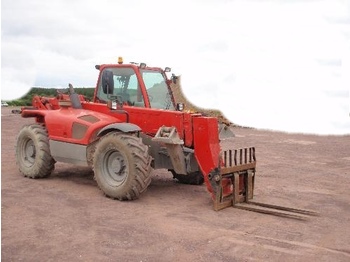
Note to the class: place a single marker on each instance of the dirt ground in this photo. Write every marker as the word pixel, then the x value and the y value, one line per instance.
pixel 67 218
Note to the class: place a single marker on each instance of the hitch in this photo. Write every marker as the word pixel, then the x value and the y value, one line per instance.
pixel 170 138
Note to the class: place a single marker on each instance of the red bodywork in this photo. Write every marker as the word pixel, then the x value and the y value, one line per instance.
pixel 197 132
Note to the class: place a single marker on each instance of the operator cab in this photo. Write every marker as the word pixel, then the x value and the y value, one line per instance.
pixel 134 85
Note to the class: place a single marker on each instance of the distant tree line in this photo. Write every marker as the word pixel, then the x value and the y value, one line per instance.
pixel 26 100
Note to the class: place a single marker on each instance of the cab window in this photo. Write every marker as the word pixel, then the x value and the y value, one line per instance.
pixel 126 87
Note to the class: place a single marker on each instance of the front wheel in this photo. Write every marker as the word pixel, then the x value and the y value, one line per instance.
pixel 33 152
pixel 122 166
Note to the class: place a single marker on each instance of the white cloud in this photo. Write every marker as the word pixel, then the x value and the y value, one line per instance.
pixel 276 79
pixel 265 64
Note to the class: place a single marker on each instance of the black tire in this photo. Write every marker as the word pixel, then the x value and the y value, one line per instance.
pixel 195 178
pixel 33 152
pixel 122 166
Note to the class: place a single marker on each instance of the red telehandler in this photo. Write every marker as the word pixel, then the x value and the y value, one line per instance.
pixel 133 125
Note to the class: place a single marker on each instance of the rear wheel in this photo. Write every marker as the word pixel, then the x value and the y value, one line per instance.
pixel 122 166
pixel 195 178
pixel 33 152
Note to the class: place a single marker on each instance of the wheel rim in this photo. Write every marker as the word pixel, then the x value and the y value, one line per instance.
pixel 115 168
pixel 29 152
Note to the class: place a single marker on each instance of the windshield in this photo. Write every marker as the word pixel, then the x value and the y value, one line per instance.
pixel 157 89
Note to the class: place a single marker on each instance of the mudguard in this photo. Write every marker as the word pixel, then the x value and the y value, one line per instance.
pixel 124 127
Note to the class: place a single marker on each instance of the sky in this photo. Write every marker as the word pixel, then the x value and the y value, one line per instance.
pixel 275 65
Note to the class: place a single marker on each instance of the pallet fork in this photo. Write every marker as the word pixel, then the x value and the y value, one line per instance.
pixel 238 169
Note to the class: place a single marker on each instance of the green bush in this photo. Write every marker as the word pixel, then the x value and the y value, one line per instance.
pixel 26 100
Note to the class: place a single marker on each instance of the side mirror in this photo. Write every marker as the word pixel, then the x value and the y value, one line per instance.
pixel 107 82
pixel 174 78
pixel 180 107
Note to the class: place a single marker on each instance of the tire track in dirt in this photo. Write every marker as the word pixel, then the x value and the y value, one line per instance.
pixel 280 245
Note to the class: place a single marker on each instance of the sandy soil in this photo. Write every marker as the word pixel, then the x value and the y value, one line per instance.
pixel 67 218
